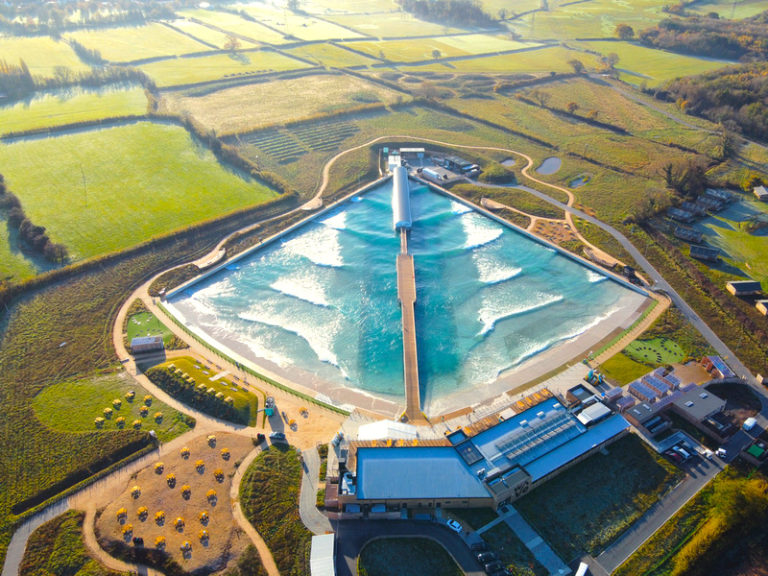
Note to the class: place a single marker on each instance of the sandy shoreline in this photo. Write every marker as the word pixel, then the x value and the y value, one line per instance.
pixel 629 309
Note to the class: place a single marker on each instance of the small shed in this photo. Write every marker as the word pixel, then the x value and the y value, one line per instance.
pixel 705 253
pixel 762 307
pixel 761 193
pixel 322 555
pixel 744 288
pixel 147 344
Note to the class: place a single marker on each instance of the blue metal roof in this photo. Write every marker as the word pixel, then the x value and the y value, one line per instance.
pixel 559 457
pixel 415 472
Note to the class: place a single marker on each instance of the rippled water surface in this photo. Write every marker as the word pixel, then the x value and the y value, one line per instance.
pixel 324 298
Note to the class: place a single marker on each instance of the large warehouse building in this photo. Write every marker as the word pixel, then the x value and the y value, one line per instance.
pixel 493 466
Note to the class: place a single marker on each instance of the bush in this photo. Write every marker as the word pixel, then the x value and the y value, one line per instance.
pixel 495 173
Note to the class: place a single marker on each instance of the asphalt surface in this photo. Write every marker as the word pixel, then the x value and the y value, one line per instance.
pixel 351 536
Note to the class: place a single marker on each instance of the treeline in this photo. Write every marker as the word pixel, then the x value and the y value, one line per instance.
pixel 459 12
pixel 736 97
pixel 15 80
pixel 32 235
pixel 744 40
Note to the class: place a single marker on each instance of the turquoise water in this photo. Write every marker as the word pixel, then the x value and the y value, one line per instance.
pixel 323 300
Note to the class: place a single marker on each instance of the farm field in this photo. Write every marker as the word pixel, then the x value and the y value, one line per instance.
pixel 329 55
pixel 391 24
pixel 484 43
pixel 176 71
pixel 199 496
pixel 14 265
pixel 732 10
pixel 62 107
pixel 580 511
pixel 304 27
pixel 200 32
pixel 41 54
pixel 246 31
pixel 414 50
pixel 639 64
pixel 73 407
pixel 406 557
pixel 291 100
pixel 137 42
pixel 142 180
pixel 536 61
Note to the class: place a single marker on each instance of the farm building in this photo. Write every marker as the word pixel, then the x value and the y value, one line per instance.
pixel 744 288
pixel 499 463
pixel 762 307
pixel 147 344
pixel 688 234
pixel 721 195
pixel 322 555
pixel 761 193
pixel 680 215
pixel 705 253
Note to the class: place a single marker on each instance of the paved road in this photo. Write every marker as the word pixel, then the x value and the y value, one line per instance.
pixel 351 536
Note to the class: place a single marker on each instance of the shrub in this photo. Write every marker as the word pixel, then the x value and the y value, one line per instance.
pixel 136 424
pixel 135 492
pixel 160 542
pixel 99 422
pixel 159 467
pixel 120 422
pixel 160 518
pixel 184 452
pixel 158 417
pixel 107 412
pixel 148 400
pixel 117 403
pixel 225 454
pixel 130 395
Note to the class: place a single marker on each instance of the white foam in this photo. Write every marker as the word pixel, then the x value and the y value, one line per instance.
pixel 491 270
pixel 317 334
pixel 479 230
pixel 306 287
pixel 320 245
pixel 595 277
pixel 459 208
pixel 495 309
pixel 337 221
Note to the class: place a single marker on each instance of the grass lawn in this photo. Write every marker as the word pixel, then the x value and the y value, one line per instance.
pixel 73 407
pixel 405 557
pixel 41 54
pixel 537 61
pixel 137 42
pixel 389 24
pixel 57 547
pixel 730 10
pixel 513 552
pixel 269 496
pixel 147 324
pixel 407 50
pixel 143 180
pixel 586 507
pixel 72 105
pixel 245 403
pixel 241 109
pixel 484 43
pixel 622 369
pixel 14 265
pixel 302 26
pixel 656 352
pixel 329 55
pixel 218 66
pixel 640 64
pixel 250 32
pixel 200 32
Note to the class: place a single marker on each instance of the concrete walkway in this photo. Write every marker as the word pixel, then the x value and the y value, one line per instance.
pixel 535 543
pixel 311 517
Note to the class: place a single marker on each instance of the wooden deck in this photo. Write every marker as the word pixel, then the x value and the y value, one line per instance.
pixel 406 293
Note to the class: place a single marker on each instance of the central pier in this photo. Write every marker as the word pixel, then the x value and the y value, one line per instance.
pixel 406 293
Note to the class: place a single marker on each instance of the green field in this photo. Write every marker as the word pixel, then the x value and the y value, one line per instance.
pixel 329 55
pixel 14 265
pixel 407 50
pixel 177 71
pixel 582 510
pixel 147 324
pixel 731 10
pixel 622 369
pixel 63 107
pixel 57 547
pixel 137 42
pixel 392 24
pixel 406 557
pixel 73 407
pixel 142 180
pixel 41 54
pixel 241 109
pixel 249 32
pixel 655 352
pixel 484 43
pixel 201 33
pixel 639 64
pixel 538 61
pixel 302 26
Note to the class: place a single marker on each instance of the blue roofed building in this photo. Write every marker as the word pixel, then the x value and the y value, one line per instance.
pixel 496 462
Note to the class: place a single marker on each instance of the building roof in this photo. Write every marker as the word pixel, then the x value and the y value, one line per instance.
pixel 704 252
pixel 746 286
pixel 144 340
pixel 387 429
pixel 761 192
pixel 416 472
pixel 561 456
pixel 699 403
pixel 721 366
pixel 321 558
pixel 593 414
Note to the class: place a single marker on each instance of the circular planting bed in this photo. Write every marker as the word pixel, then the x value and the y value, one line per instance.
pixel 655 351
pixel 189 517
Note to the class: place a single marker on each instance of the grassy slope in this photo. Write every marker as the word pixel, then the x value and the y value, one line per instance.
pixel 49 110
pixel 41 54
pixel 57 548
pixel 405 557
pixel 72 407
pixel 142 180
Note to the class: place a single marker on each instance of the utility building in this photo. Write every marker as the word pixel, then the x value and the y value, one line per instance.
pixel 401 199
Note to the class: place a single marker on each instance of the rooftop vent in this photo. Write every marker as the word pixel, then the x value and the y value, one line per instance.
pixel 689 404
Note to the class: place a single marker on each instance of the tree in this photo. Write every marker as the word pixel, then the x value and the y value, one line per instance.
pixel 571 107
pixel 436 54
pixel 293 5
pixel 541 97
pixel 611 60
pixel 577 65
pixel 624 32
pixel 232 44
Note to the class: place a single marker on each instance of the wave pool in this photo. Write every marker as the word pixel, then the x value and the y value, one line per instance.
pixel 320 304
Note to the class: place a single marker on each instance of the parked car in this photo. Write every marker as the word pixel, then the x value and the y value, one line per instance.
pixel 494 566
pixel 455 526
pixel 486 557
pixel 674 456
pixel 277 437
pixel 721 452
pixel 683 452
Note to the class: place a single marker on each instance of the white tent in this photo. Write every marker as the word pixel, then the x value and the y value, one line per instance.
pixel 384 429
pixel 321 558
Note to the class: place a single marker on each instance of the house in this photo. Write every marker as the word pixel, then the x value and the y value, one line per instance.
pixel 680 215
pixel 744 288
pixel 716 366
pixel 761 193
pixel 705 253
pixel 762 307
pixel 142 344
pixel 688 234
